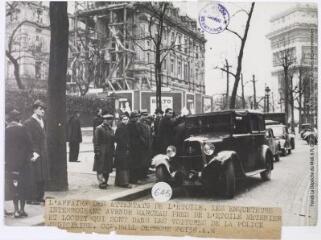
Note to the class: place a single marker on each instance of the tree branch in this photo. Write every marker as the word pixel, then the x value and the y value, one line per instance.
pixel 234 33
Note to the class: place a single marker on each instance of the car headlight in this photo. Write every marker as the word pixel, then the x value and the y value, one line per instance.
pixel 171 151
pixel 209 148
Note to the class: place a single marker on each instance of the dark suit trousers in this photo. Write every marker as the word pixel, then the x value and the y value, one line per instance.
pixel 73 151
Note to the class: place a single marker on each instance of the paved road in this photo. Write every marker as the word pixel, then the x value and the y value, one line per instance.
pixel 288 189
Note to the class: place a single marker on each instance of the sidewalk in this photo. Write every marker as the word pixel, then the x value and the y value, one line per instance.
pixel 82 184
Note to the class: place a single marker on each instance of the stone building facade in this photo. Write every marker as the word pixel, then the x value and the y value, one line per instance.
pixel 120 30
pixel 28 34
pixel 294 37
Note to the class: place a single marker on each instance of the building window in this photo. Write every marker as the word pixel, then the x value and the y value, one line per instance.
pixel 179 44
pixel 172 66
pixel 164 64
pixel 185 72
pixel 179 68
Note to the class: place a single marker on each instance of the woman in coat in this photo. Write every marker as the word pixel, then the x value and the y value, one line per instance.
pixel 104 150
pixel 122 157
pixel 18 157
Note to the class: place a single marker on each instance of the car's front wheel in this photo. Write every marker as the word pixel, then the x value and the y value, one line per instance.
pixel 266 174
pixel 227 183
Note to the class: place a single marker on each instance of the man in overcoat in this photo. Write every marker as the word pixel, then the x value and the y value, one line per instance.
pixel 166 130
pixel 136 147
pixel 104 150
pixel 39 169
pixel 74 136
pixel 122 157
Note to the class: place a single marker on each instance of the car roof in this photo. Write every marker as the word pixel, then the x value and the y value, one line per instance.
pixel 242 112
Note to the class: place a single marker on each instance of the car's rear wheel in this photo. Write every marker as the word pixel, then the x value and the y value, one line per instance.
pixel 289 151
pixel 266 175
pixel 227 182
pixel 283 152
pixel 162 174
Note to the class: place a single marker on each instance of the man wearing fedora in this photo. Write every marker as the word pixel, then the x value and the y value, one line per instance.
pixel 39 169
pixel 104 150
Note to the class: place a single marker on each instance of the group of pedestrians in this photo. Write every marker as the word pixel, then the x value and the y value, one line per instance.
pixel 130 148
pixel 26 163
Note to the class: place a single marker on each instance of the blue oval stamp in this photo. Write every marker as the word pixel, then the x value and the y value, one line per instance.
pixel 214 18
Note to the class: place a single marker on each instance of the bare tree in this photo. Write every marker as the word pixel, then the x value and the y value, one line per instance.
pixel 157 25
pixel 243 38
pixel 285 60
pixel 56 114
pixel 11 52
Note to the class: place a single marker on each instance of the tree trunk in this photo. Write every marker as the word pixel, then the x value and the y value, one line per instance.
pixel 240 57
pixel 158 70
pixel 292 104
pixel 56 114
pixel 16 68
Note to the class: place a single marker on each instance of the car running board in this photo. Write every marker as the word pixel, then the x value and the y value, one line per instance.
pixel 249 174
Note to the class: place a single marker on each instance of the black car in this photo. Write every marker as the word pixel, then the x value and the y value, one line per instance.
pixel 219 149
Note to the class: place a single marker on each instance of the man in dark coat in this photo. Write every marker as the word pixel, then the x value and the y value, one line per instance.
pixel 18 154
pixel 136 147
pixel 39 169
pixel 155 128
pixel 74 137
pixel 105 150
pixel 122 157
pixel 166 130
pixel 144 125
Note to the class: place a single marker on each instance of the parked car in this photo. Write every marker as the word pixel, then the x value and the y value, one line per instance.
pixel 311 136
pixel 304 128
pixel 281 134
pixel 273 143
pixel 219 149
pixel 276 118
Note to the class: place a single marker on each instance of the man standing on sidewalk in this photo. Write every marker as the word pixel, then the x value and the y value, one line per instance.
pixel 39 168
pixel 74 136
pixel 104 151
pixel 122 157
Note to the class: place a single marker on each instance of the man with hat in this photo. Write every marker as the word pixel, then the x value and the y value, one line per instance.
pixel 39 168
pixel 136 147
pixel 104 150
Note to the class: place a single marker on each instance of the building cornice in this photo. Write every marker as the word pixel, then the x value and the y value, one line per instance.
pixel 295 26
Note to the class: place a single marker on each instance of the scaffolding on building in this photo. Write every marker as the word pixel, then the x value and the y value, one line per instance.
pixel 104 26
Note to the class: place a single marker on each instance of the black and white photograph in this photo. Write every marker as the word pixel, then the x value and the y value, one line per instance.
pixel 216 102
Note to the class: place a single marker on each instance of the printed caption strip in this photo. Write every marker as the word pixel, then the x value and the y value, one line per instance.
pixel 171 219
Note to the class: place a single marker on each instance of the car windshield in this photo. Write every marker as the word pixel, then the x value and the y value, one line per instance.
pixel 278 131
pixel 203 124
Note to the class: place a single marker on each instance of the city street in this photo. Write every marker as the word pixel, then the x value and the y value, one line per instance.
pixel 288 189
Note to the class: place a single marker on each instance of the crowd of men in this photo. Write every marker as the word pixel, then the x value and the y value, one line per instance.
pixel 128 148
pixel 137 138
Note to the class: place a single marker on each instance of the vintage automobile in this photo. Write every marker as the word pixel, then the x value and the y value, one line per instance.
pixel 311 136
pixel 276 118
pixel 281 134
pixel 273 143
pixel 219 149
pixel 304 128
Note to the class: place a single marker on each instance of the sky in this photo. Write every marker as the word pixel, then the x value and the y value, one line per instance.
pixel 257 54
